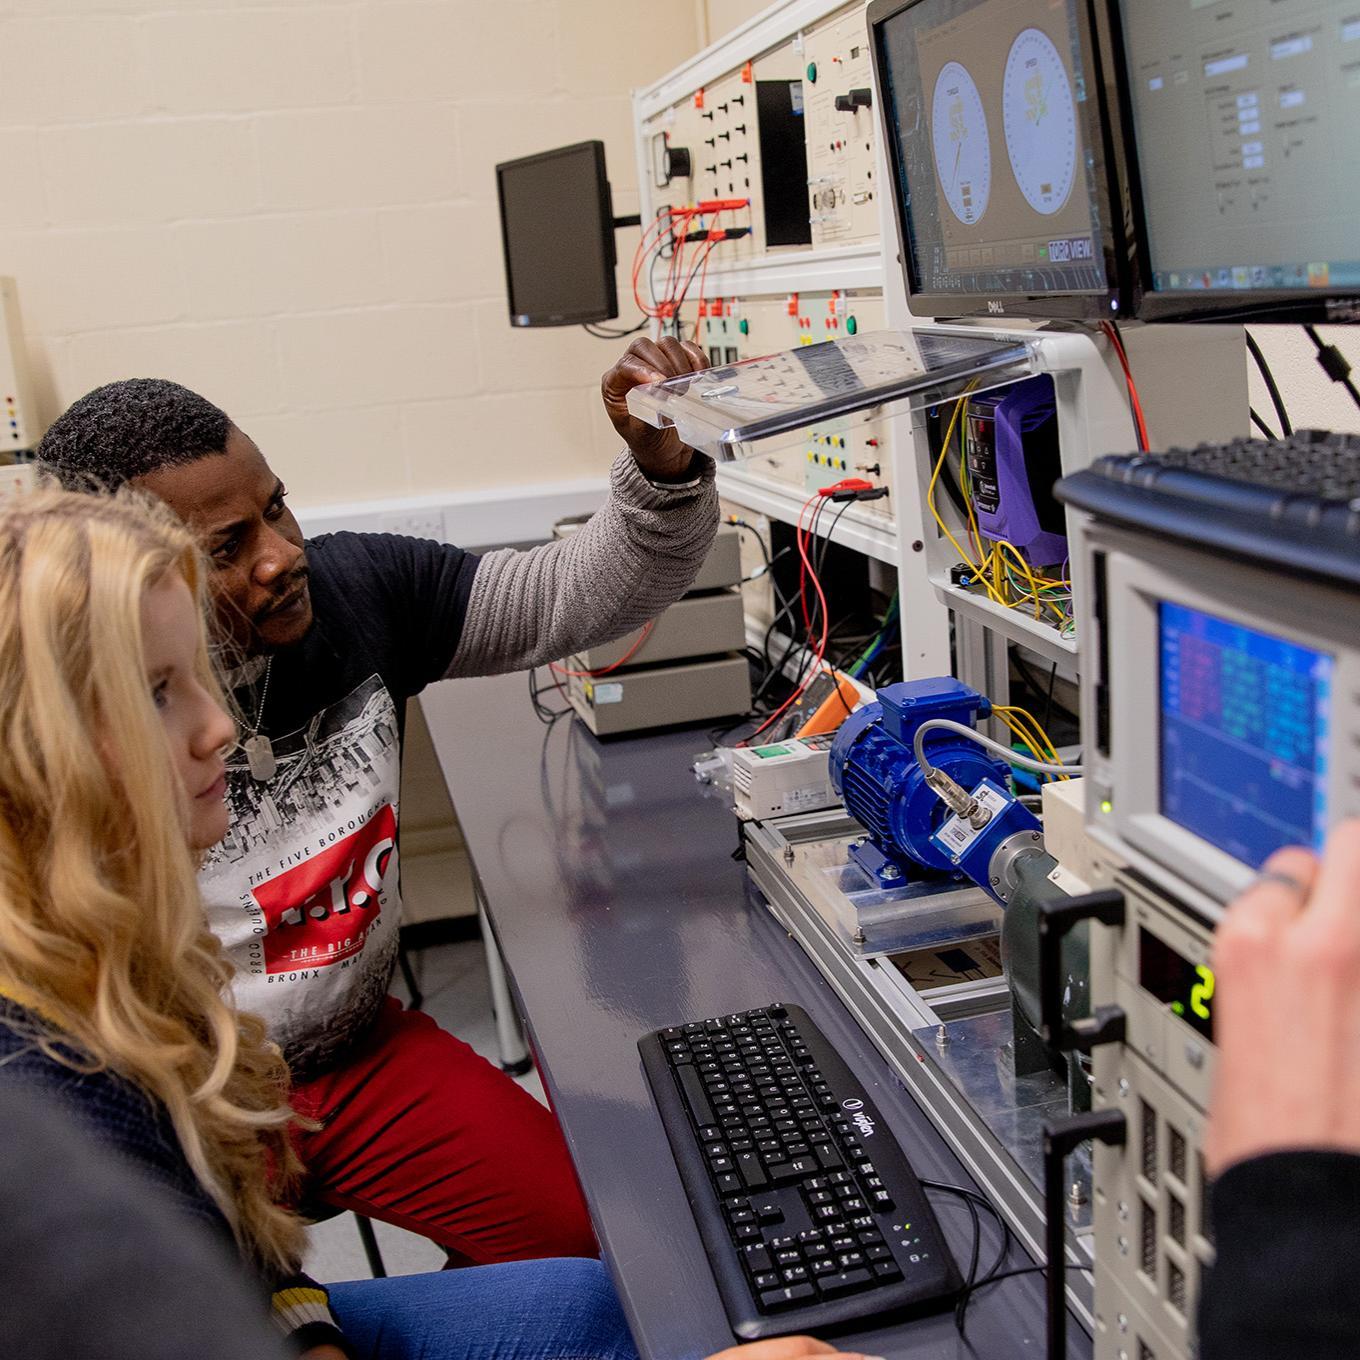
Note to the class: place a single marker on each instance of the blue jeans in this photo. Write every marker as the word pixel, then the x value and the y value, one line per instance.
pixel 562 1309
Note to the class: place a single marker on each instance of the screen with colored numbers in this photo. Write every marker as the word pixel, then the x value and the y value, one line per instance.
pixel 1244 734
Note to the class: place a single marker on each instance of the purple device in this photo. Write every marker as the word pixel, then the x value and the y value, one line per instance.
pixel 1013 462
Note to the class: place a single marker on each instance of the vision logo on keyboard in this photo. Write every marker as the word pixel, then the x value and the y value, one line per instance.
pixel 855 1108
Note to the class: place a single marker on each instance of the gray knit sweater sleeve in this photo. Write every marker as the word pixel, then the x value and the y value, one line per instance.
pixel 637 555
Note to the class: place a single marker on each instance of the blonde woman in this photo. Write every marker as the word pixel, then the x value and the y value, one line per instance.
pixel 111 986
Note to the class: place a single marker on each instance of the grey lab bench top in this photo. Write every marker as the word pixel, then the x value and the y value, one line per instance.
pixel 608 875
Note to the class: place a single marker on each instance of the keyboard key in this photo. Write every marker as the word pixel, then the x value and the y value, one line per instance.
pixel 728 1184
pixel 793 1274
pixel 876 1254
pixel 768 1211
pixel 886 1270
pixel 718 1164
pixel 757 1259
pixel 695 1096
pixel 828 1158
pixel 752 1173
pixel 845 1282
pixel 790 1256
pixel 823 1266
pixel 849 1259
pixel 768 1279
pixel 775 1300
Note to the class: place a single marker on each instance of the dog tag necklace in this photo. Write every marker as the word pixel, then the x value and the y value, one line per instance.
pixel 258 748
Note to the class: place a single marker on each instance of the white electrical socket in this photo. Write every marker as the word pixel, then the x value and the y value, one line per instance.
pixel 416 523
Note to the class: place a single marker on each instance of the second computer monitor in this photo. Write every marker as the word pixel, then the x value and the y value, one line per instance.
pixel 1244 117
pixel 998 137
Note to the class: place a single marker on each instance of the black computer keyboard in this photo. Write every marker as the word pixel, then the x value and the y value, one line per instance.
pixel 810 1213
pixel 1320 464
pixel 1293 503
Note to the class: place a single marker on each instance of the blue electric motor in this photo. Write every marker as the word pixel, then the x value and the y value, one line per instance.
pixel 874 770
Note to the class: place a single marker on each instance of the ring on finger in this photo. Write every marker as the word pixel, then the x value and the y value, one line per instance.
pixel 1283 879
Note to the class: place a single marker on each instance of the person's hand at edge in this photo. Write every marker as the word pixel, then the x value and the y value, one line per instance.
pixel 1287 1008
pixel 787 1348
pixel 659 453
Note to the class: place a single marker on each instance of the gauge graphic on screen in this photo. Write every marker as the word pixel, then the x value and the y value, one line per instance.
pixel 1041 121
pixel 963 147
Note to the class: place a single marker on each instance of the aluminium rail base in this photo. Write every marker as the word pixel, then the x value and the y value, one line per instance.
pixel 949 1045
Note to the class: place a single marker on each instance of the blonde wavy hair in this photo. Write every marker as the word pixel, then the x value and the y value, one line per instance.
pixel 102 929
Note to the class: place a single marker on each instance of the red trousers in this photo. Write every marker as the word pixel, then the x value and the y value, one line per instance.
pixel 418 1131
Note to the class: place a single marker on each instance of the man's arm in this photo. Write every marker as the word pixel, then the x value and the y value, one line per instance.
pixel 636 556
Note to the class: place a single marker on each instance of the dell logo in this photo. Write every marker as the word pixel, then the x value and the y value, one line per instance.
pixel 996 309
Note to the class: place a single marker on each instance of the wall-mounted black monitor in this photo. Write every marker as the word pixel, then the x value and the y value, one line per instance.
pixel 1242 119
pixel 557 229
pixel 1000 138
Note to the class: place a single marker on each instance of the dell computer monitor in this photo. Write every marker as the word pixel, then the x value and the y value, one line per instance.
pixel 557 229
pixel 1242 120
pixel 999 139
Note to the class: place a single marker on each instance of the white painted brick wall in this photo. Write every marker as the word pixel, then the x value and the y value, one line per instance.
pixel 289 205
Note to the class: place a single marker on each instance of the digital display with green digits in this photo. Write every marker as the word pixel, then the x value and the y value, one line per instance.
pixel 1188 988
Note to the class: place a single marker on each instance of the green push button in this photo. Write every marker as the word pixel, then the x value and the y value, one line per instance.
pixel 851 325
pixel 812 72
pixel 769 752
pixel 744 326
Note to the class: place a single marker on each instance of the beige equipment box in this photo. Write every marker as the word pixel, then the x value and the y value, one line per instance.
pixel 686 667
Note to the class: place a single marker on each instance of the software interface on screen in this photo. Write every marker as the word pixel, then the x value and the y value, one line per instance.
pixel 1244 725
pixel 995 174
pixel 1246 115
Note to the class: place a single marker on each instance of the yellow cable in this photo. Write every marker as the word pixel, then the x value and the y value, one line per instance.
pixel 1035 728
pixel 1003 546
pixel 930 497
pixel 1034 582
pixel 1029 741
pixel 1031 725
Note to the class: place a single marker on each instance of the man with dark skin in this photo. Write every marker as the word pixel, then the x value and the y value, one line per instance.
pixel 322 644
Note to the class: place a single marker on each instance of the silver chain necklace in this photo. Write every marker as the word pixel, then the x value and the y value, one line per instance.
pixel 258 748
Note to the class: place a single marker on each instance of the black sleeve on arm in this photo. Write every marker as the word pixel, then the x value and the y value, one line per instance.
pixel 417 591
pixel 1286 1283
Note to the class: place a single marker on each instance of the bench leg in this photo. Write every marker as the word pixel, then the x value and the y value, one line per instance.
pixel 515 1057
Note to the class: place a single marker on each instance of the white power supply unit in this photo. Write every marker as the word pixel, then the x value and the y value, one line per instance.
pixel 782 778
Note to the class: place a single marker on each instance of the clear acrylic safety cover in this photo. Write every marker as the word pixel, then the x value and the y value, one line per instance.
pixel 726 411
